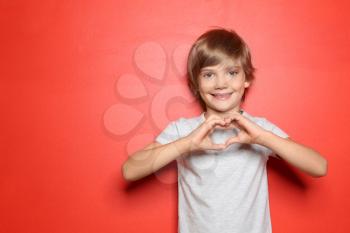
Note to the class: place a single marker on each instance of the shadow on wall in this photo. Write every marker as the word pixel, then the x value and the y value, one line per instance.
pixel 289 174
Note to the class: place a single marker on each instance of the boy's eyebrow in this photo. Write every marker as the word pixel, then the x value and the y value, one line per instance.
pixel 227 68
pixel 234 67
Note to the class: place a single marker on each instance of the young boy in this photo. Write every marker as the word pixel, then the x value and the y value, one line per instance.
pixel 222 153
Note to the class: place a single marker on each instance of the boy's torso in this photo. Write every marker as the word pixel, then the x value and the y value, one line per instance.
pixel 223 191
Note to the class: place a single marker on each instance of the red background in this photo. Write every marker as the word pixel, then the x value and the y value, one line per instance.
pixel 68 122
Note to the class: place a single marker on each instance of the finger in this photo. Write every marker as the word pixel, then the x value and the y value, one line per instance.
pixel 238 121
pixel 211 131
pixel 216 122
pixel 227 120
pixel 234 117
pixel 226 125
pixel 241 120
pixel 208 127
pixel 229 125
pixel 232 141
pixel 217 146
pixel 237 126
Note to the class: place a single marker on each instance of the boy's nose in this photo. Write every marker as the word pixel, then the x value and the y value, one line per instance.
pixel 221 82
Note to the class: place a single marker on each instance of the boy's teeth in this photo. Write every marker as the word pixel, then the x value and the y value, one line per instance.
pixel 222 96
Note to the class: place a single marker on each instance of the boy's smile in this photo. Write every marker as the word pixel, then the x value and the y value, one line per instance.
pixel 222 96
pixel 221 87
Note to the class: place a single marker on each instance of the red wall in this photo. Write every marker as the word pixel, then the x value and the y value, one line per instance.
pixel 85 83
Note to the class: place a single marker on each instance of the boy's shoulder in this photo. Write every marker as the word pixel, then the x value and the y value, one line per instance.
pixel 267 125
pixel 189 121
pixel 256 119
pixel 260 120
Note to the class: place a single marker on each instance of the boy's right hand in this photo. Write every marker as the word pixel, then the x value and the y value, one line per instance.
pixel 199 138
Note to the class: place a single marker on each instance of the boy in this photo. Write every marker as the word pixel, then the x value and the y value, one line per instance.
pixel 222 153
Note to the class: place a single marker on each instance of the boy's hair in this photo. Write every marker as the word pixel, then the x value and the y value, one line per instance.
pixel 212 48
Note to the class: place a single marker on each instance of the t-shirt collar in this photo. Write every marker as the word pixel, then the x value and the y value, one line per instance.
pixel 244 113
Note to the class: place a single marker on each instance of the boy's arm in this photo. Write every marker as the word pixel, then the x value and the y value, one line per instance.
pixel 156 155
pixel 300 156
pixel 152 158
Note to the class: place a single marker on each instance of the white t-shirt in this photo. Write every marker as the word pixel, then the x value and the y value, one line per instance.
pixel 222 191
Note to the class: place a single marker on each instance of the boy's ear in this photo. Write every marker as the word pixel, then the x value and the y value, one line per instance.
pixel 246 84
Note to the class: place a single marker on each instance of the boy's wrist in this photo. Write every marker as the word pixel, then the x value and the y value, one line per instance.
pixel 264 138
pixel 182 145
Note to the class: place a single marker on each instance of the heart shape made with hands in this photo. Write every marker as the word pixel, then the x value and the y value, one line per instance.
pixel 247 131
pixel 204 138
pixel 229 124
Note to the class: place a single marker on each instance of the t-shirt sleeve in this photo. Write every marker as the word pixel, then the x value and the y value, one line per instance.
pixel 279 132
pixel 169 134
pixel 275 130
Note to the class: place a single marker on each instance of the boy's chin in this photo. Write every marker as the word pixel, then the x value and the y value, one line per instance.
pixel 223 109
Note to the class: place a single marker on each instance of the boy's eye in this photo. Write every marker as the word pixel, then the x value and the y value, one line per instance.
pixel 234 72
pixel 207 75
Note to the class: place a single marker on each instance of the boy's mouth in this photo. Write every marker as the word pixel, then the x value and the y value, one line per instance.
pixel 221 96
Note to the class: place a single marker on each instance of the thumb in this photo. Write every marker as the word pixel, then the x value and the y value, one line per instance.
pixel 232 141
pixel 217 146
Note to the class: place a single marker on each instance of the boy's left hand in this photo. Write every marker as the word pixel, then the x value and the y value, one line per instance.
pixel 249 132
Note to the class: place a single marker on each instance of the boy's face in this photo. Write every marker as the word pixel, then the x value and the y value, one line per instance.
pixel 222 86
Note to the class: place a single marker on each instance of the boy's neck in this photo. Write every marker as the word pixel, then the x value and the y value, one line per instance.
pixel 210 112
